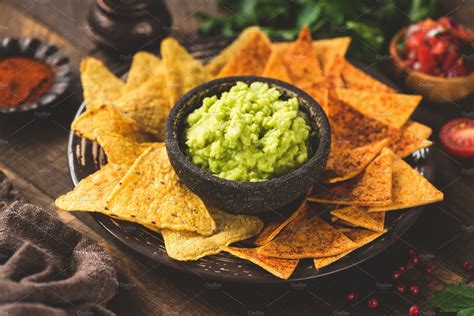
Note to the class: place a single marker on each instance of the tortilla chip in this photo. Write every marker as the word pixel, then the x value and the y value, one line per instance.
pixel 307 236
pixel 275 67
pixel 393 109
pixel 250 58
pixel 106 118
pixel 354 78
pixel 148 105
pixel 182 71
pixel 230 228
pixel 360 217
pixel 350 128
pixel 328 49
pixel 271 229
pixel 372 187
pixel 151 194
pixel 120 150
pixel 419 130
pixel 409 188
pixel 99 84
pixel 282 268
pixel 346 163
pixel 218 62
pixel 145 65
pixel 359 236
pixel 91 192
pixel 301 60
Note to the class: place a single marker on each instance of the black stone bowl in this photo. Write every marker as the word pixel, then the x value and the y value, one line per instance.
pixel 247 197
pixel 48 54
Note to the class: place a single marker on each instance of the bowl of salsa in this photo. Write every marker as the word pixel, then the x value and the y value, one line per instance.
pixel 248 144
pixel 435 58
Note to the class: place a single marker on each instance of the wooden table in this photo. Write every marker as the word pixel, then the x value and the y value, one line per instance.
pixel 33 153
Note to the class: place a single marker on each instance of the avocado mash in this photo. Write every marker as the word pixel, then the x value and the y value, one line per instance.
pixel 248 134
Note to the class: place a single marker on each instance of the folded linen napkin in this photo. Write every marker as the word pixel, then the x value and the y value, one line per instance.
pixel 46 267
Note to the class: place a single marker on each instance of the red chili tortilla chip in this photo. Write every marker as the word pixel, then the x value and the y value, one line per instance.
pixel 360 217
pixel 327 51
pixel 360 237
pixel 393 109
pixel 282 268
pixel 301 60
pixel 354 78
pixel 371 187
pixel 351 128
pixel 250 59
pixel 271 229
pixel 346 163
pixel 307 236
pixel 409 188
pixel 275 67
pixel 419 130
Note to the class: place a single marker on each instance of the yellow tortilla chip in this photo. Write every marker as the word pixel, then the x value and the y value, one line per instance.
pixel 360 217
pixel 275 67
pixel 419 130
pixel 230 228
pixel 218 62
pixel 307 236
pixel 106 118
pixel 328 49
pixel 148 105
pixel 351 128
pixel 346 163
pixel 301 60
pixel 271 229
pixel 359 236
pixel 144 66
pixel 182 71
pixel 120 150
pixel 409 188
pixel 151 194
pixel 393 109
pixel 99 84
pixel 371 187
pixel 250 58
pixel 354 78
pixel 91 192
pixel 282 268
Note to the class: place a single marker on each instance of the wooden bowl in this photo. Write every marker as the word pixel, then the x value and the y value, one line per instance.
pixel 433 88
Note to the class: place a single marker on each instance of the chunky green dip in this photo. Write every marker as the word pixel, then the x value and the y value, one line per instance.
pixel 248 134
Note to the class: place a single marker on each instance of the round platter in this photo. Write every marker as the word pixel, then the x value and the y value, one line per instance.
pixel 85 157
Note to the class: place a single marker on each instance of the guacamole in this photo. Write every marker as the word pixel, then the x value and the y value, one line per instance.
pixel 248 134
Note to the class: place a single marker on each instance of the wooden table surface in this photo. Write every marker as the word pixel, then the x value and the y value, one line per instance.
pixel 33 154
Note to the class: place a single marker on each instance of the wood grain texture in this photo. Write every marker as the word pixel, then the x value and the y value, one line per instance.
pixel 33 152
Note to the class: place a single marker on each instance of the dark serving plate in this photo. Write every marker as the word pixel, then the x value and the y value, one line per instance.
pixel 86 157
pixel 46 53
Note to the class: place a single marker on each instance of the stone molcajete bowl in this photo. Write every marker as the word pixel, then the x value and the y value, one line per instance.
pixel 247 197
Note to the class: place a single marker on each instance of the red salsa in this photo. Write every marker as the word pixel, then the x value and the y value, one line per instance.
pixel 23 80
pixel 439 48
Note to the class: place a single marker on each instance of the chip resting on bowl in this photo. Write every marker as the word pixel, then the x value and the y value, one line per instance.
pixel 151 194
pixel 282 268
pixel 230 228
pixel 144 66
pixel 373 186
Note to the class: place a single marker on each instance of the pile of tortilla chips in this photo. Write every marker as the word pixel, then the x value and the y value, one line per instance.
pixel 365 175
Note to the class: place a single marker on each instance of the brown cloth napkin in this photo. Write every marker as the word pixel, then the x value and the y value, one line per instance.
pixel 46 267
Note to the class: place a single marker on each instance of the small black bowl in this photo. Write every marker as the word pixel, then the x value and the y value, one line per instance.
pixel 48 54
pixel 247 197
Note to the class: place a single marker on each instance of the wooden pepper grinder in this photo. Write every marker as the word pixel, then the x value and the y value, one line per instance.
pixel 126 26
